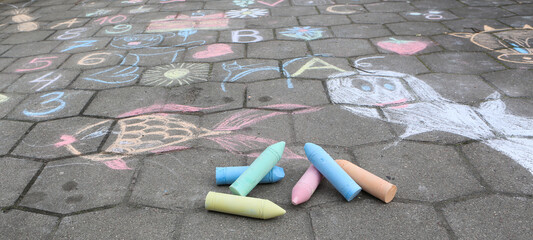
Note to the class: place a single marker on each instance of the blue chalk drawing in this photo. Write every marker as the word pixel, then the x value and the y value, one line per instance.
pixel 305 33
pixel 80 44
pixel 232 67
pixel 186 33
pixel 57 98
pixel 243 3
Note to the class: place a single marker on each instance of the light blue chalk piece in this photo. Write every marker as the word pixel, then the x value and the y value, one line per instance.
pixel 332 171
pixel 228 175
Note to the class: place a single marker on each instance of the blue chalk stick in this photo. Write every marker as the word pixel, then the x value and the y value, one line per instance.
pixel 228 175
pixel 325 164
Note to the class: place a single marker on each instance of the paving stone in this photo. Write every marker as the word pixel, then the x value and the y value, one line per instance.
pixel 469 25
pixel 95 59
pixel 127 3
pixel 398 63
pixel 52 105
pixel 389 7
pixel 417 28
pixel 486 3
pixel 75 33
pixel 114 102
pixel 22 27
pixel 406 45
pixel 8 101
pixel 458 88
pixel 99 13
pixel 273 92
pixel 465 62
pixel 428 15
pixel 307 33
pixel 246 36
pixel 215 52
pixel 40 142
pixel 4 48
pixel 90 5
pixel 212 225
pixel 31 49
pixel 324 20
pixel 374 18
pixel 493 216
pixel 67 23
pixel 7 79
pixel 148 17
pixel 208 96
pixel 108 77
pixel 54 9
pixel 15 175
pixel 453 43
pixel 437 4
pixel 11 132
pixel 181 6
pixel 342 47
pixel 413 221
pixel 245 70
pixel 271 22
pixel 326 130
pixel 436 179
pixel 315 67
pixel 50 17
pixel 293 11
pixel 360 31
pixel 498 170
pixel 122 223
pixel 83 45
pixel 194 174
pixel 517 21
pixel 4 62
pixel 78 184
pixel 17 224
pixel 261 129
pixel 343 9
pixel 43 81
pixel 284 49
pixel 294 168
pixel 26 37
pixel 514 83
pixel 311 2
pixel 138 9
pixel 481 12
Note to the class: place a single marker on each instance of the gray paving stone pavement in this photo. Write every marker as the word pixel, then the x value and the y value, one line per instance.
pixel 115 114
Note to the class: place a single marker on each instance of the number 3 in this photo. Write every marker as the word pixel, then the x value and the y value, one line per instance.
pixel 57 98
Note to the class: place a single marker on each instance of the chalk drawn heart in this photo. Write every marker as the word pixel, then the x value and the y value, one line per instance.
pixel 214 50
pixel 403 47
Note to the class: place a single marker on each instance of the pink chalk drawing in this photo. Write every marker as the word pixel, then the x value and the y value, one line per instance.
pixel 270 4
pixel 214 50
pixel 403 47
pixel 147 130
pixel 198 21
pixel 170 1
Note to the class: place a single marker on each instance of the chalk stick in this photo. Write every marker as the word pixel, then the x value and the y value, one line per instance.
pixel 332 171
pixel 258 169
pixel 306 186
pixel 370 183
pixel 242 206
pixel 228 175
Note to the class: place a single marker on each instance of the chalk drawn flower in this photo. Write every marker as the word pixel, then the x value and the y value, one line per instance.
pixel 243 3
pixel 247 13
pixel 176 74
pixel 305 33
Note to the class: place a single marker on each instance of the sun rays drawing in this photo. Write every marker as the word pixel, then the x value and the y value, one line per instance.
pixel 176 74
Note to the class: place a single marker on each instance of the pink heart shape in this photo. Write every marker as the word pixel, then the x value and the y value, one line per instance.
pixel 214 50
pixel 403 47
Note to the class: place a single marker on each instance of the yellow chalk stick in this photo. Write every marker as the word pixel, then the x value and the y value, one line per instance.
pixel 243 206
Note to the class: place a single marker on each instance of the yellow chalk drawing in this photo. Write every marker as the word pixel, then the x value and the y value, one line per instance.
pixel 512 44
pixel 25 21
pixel 176 74
pixel 3 98
pixel 310 66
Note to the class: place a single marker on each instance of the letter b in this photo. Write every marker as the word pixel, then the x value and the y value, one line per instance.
pixel 236 36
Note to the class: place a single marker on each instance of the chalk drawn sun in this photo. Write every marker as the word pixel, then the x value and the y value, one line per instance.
pixel 176 74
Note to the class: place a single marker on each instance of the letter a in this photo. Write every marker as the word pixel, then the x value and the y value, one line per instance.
pixel 68 23
pixel 310 63
pixel 236 36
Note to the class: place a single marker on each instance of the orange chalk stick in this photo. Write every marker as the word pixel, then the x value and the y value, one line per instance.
pixel 370 183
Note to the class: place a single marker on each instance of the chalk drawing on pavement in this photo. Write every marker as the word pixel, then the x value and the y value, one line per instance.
pixel 236 71
pixel 247 13
pixel 512 44
pixel 176 74
pixel 305 33
pixel 403 47
pixel 197 20
pixel 422 110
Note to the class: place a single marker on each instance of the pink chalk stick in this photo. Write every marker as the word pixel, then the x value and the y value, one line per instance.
pixel 306 186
